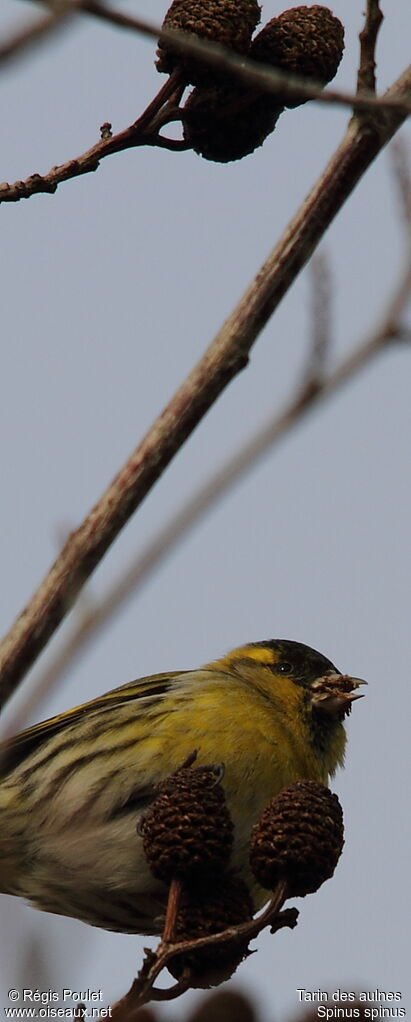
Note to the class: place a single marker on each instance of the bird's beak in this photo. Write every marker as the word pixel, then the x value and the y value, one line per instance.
pixel 333 694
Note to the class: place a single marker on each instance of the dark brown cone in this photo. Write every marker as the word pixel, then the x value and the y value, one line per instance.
pixel 187 830
pixel 224 124
pixel 305 41
pixel 205 911
pixel 228 22
pixel 299 838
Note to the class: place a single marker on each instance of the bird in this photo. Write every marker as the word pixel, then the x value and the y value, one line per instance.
pixel 74 788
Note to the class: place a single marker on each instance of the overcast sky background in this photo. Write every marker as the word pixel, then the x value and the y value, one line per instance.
pixel 111 289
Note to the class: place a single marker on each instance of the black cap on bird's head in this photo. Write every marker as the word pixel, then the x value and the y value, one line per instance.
pixel 331 693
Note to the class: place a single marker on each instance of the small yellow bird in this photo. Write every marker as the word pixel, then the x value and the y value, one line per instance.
pixel 74 787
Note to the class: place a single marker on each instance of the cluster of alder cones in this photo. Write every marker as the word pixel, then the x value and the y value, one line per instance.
pixel 188 836
pixel 224 120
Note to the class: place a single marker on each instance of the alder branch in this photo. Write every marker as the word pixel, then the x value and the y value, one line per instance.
pixel 142 132
pixel 368 41
pixel 248 71
pixel 262 76
pixel 226 356
pixel 142 989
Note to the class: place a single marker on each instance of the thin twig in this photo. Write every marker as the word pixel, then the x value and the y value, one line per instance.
pixel 170 994
pixel 374 17
pixel 144 131
pixel 143 990
pixel 226 356
pixel 171 93
pixel 220 57
pixel 173 905
pixel 263 77
pixel 140 133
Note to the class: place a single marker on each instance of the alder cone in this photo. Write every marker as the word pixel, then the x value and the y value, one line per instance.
pixel 225 124
pixel 304 41
pixel 187 831
pixel 299 838
pixel 230 23
pixel 205 911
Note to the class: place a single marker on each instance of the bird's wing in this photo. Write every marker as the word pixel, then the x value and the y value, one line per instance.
pixel 14 750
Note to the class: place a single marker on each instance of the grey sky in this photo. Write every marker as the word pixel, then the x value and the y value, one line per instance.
pixel 111 290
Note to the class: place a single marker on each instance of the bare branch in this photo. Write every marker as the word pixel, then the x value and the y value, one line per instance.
pixel 263 77
pixel 368 40
pixel 144 131
pixel 143 990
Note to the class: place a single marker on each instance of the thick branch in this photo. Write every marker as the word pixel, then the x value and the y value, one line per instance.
pixel 225 357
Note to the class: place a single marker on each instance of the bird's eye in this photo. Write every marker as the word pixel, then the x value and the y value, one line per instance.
pixel 284 667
